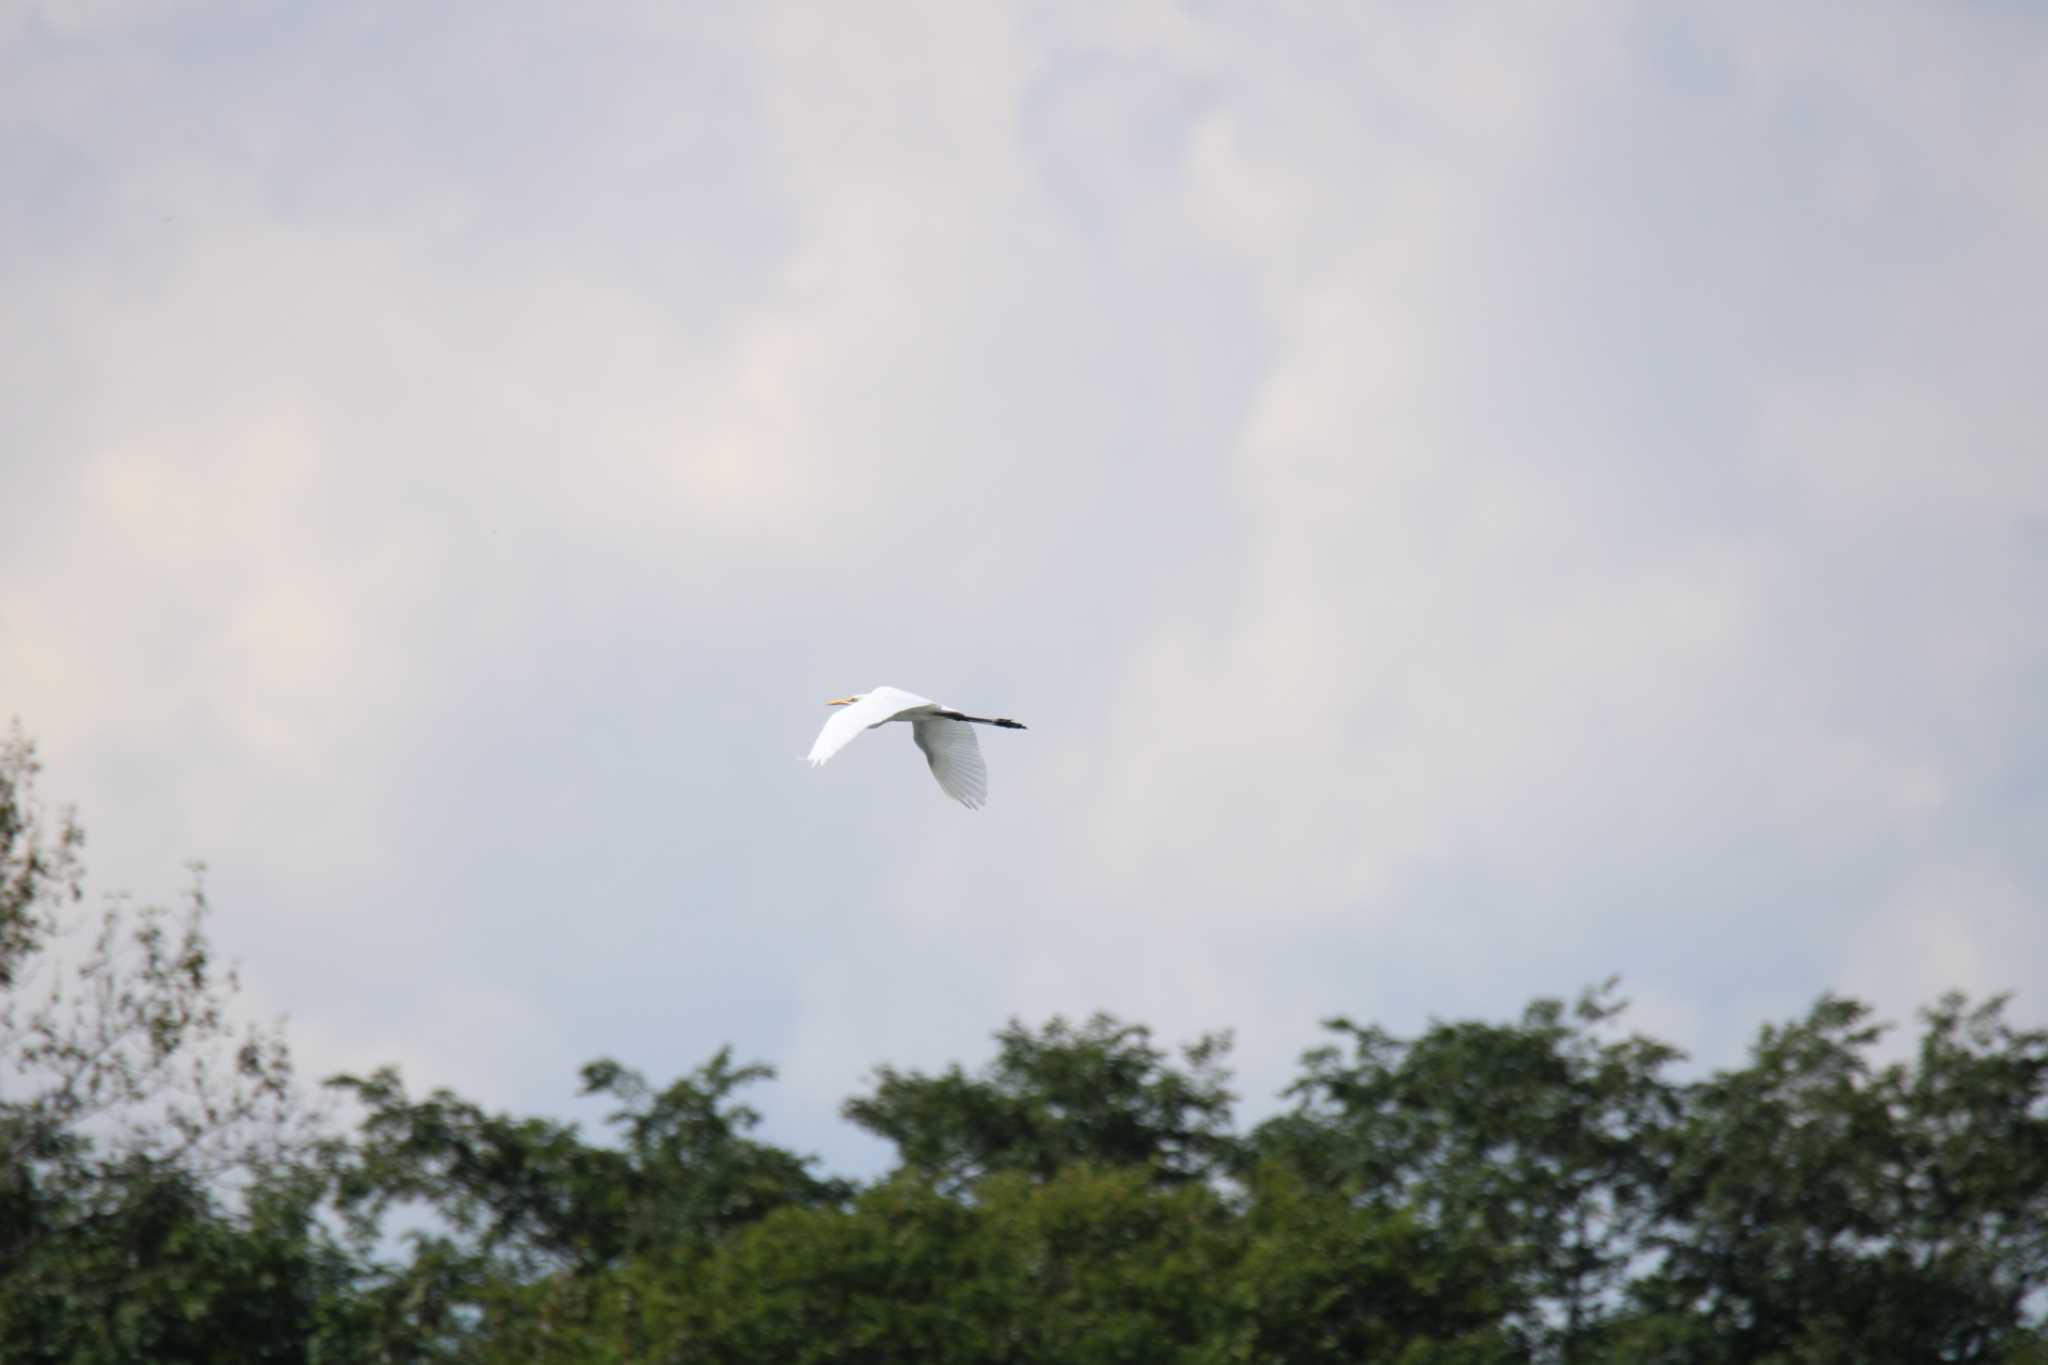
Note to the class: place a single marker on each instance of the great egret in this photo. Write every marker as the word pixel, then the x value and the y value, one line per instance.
pixel 946 736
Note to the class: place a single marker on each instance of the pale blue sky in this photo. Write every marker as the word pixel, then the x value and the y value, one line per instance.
pixel 1469 501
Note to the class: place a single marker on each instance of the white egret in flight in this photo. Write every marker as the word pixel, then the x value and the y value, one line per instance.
pixel 945 735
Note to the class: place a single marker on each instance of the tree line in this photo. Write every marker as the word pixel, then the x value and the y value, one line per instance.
pixel 1541 1189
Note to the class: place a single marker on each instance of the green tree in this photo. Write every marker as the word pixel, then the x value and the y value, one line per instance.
pixel 516 1203
pixel 151 1264
pixel 1538 1138
pixel 1100 1094
pixel 535 1193
pixel 1090 1265
pixel 1824 1208
pixel 134 1106
pixel 1327 1279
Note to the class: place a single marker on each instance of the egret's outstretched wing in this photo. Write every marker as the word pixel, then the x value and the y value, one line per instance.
pixel 955 757
pixel 881 705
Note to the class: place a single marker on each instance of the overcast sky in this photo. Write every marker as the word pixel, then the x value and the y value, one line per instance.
pixel 1468 499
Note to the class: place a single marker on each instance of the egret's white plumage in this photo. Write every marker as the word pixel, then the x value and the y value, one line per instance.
pixel 945 735
pixel 955 755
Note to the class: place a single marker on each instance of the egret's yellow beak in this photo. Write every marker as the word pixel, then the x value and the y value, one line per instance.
pixel 843 701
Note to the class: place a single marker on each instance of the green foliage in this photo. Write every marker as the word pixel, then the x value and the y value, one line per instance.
pixel 1823 1208
pixel 1090 1266
pixel 153 1268
pixel 1326 1279
pixel 525 1208
pixel 39 868
pixel 131 1098
pixel 1100 1094
pixel 533 1193
pixel 1538 1139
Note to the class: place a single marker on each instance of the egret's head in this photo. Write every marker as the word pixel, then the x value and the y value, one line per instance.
pixel 844 701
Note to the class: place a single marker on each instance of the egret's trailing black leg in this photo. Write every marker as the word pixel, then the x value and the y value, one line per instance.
pixel 1001 722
